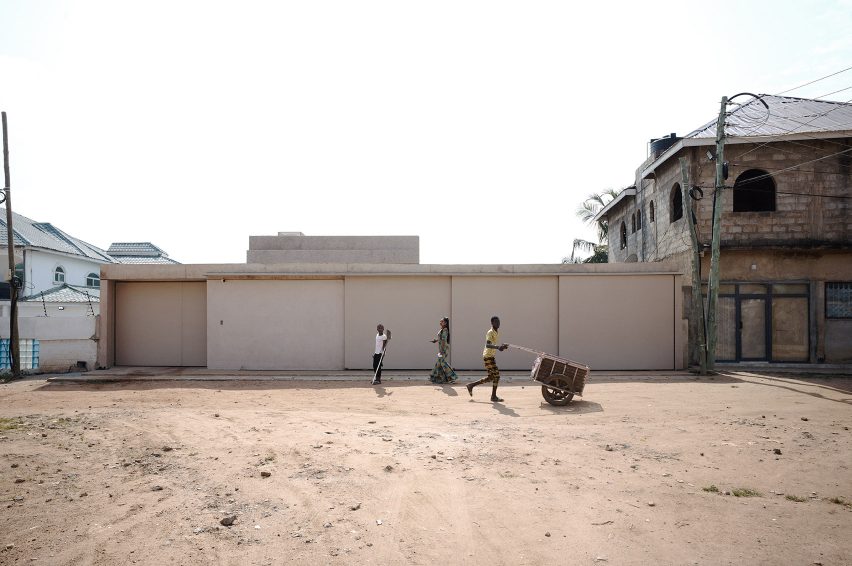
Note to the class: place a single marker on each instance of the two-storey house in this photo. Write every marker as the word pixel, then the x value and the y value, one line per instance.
pixel 786 228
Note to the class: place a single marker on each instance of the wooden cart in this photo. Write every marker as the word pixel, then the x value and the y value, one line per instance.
pixel 560 378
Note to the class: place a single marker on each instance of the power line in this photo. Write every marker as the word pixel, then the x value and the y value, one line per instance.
pixel 832 142
pixel 746 189
pixel 760 177
pixel 786 169
pixel 801 124
pixel 835 92
pixel 813 81
pixel 780 148
pixel 751 166
pixel 793 131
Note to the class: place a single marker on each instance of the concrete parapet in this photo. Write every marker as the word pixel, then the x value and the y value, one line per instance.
pixel 295 242
pixel 289 247
pixel 404 256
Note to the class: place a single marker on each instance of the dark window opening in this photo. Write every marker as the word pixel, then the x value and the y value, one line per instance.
pixel 623 235
pixel 754 191
pixel 633 223
pixel 651 212
pixel 676 208
pixel 639 219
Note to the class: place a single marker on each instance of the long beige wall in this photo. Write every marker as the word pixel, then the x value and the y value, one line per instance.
pixel 160 323
pixel 620 321
pixel 275 324
pixel 527 307
pixel 609 321
pixel 410 306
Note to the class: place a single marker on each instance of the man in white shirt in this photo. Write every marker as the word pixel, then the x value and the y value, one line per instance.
pixel 382 339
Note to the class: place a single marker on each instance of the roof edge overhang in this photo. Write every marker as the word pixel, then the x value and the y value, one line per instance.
pixel 214 272
pixel 648 172
pixel 32 248
pixel 602 213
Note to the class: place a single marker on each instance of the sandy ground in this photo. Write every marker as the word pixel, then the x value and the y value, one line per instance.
pixel 411 473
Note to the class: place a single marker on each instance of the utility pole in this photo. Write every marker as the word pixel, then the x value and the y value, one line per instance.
pixel 14 344
pixel 697 303
pixel 718 203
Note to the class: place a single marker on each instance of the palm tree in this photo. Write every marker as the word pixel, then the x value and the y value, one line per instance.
pixel 600 252
pixel 586 212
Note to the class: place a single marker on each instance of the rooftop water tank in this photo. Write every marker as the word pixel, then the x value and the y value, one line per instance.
pixel 660 145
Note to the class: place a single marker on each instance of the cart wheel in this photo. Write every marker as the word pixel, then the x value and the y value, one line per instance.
pixel 554 396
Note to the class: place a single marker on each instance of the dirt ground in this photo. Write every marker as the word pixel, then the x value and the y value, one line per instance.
pixel 643 470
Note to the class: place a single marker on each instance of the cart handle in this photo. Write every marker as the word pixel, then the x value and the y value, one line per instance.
pixel 525 349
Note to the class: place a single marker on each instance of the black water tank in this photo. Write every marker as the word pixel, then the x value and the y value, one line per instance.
pixel 660 145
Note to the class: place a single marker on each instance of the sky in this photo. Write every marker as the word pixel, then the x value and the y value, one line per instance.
pixel 478 126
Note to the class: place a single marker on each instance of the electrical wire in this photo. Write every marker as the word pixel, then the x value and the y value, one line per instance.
pixel 778 138
pixel 793 193
pixel 780 148
pixel 835 92
pixel 751 166
pixel 841 127
pixel 766 176
pixel 794 142
pixel 813 81
pixel 747 117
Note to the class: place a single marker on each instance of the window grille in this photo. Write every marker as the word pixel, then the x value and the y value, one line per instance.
pixel 838 300
pixel 29 352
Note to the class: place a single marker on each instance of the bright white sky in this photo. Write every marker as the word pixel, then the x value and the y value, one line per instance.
pixel 479 126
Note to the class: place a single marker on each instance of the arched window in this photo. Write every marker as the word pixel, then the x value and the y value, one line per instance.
pixel 93 280
pixel 676 204
pixel 639 219
pixel 633 223
pixel 59 274
pixel 623 235
pixel 754 191
pixel 651 211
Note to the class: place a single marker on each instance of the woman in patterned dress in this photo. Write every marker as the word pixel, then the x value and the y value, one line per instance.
pixel 442 372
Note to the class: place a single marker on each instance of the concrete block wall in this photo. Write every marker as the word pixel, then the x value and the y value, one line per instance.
pixel 663 237
pixel 797 219
pixel 652 241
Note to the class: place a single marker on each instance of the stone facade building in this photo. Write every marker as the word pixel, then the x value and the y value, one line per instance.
pixel 786 249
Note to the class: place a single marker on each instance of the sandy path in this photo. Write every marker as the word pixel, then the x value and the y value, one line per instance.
pixel 142 473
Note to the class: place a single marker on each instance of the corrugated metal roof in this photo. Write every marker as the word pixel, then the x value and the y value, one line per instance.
pixel 785 115
pixel 67 294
